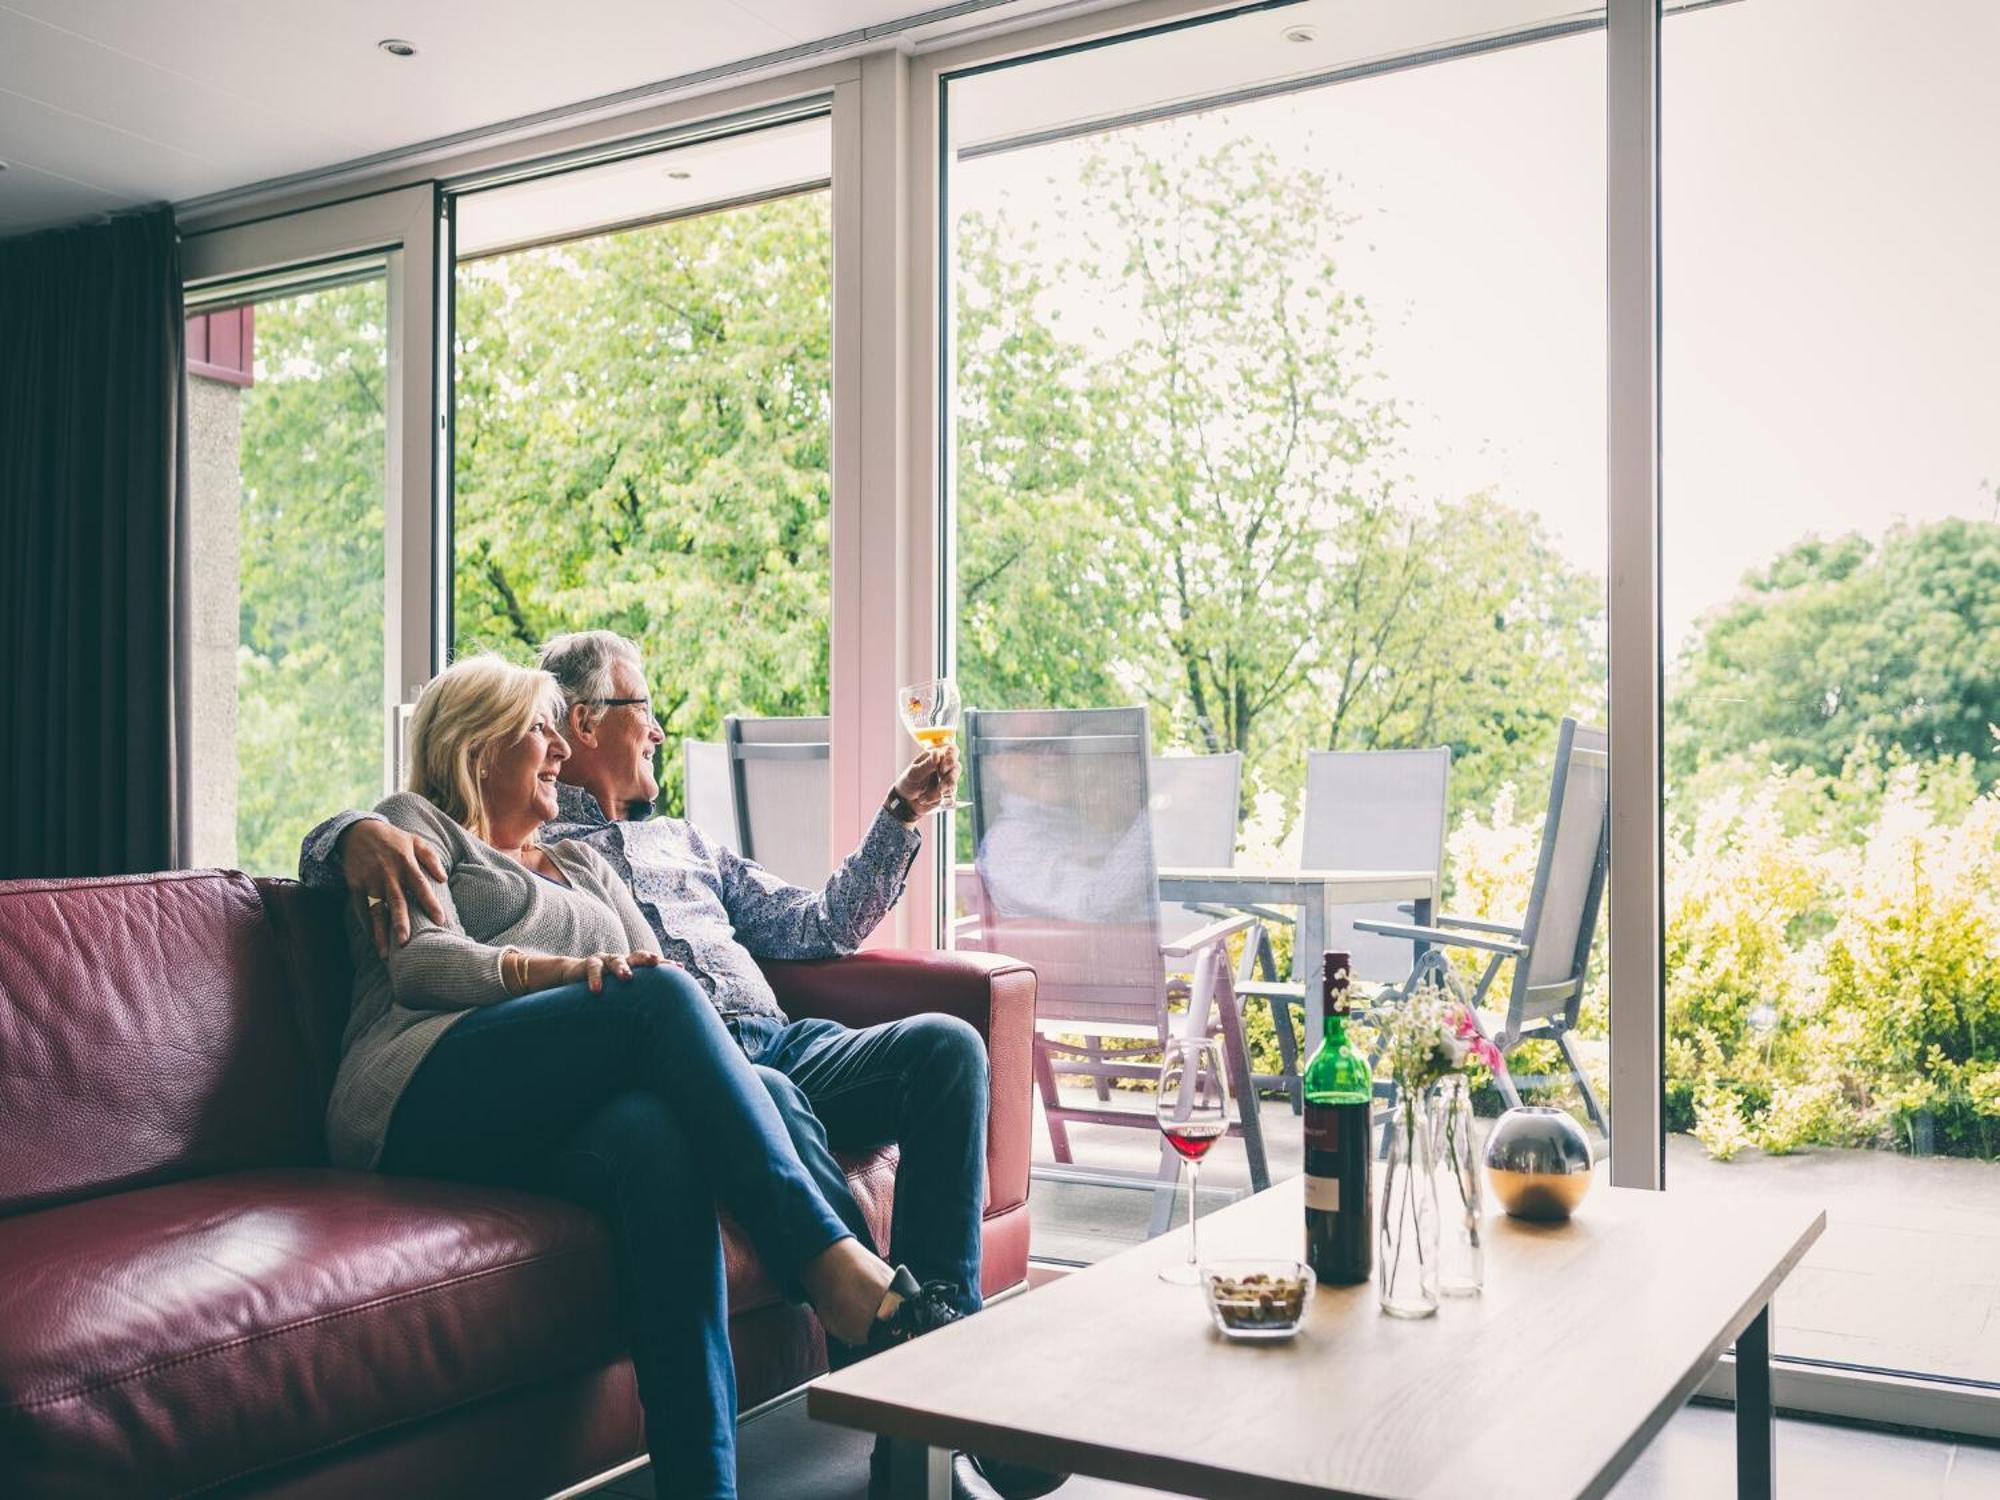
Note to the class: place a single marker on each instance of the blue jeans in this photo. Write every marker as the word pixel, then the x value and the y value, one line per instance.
pixel 920 1082
pixel 638 1103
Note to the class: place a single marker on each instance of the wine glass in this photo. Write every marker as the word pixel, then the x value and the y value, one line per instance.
pixel 1193 1112
pixel 930 713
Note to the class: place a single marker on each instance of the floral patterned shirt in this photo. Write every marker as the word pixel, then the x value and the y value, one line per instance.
pixel 714 912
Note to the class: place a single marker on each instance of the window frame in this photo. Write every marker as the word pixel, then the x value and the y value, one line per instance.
pixel 400 226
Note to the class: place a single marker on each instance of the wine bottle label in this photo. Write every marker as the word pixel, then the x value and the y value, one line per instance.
pixel 1323 1193
pixel 1322 1128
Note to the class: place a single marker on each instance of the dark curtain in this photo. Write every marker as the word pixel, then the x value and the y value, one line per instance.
pixel 93 549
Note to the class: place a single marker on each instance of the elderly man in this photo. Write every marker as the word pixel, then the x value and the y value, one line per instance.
pixel 920 1082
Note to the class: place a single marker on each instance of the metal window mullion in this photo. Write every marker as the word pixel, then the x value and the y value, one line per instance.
pixel 870 526
pixel 1632 452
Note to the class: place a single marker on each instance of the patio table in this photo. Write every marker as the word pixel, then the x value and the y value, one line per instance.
pixel 1315 893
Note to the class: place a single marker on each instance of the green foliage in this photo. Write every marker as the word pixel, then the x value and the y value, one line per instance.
pixel 1835 987
pixel 309 727
pixel 1844 640
pixel 1201 511
pixel 642 445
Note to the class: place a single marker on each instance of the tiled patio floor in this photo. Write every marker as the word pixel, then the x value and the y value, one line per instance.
pixel 1907 1276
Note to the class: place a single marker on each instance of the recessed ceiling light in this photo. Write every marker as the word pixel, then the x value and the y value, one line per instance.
pixel 1301 34
pixel 395 46
pixel 679 174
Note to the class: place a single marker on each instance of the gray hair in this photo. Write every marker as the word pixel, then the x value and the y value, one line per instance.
pixel 581 664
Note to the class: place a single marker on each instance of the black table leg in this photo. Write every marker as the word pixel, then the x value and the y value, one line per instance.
pixel 1755 1423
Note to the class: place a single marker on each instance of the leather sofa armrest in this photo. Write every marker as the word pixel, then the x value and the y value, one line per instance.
pixel 995 994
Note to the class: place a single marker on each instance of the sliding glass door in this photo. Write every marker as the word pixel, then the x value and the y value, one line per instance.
pixel 1831 574
pixel 1277 357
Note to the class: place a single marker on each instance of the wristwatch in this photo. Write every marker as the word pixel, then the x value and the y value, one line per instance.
pixel 901 808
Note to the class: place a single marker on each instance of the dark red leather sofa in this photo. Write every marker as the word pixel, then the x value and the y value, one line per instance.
pixel 192 1301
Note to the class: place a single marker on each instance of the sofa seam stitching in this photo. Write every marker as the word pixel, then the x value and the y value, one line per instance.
pixel 80 1392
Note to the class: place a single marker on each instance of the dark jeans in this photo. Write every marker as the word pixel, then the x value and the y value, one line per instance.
pixel 636 1102
pixel 921 1082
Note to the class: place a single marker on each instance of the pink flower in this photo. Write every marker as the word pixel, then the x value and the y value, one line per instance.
pixel 1483 1051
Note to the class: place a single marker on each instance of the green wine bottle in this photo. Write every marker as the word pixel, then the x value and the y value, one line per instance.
pixel 1339 1089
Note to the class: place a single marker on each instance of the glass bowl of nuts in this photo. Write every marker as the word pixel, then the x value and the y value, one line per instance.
pixel 1257 1299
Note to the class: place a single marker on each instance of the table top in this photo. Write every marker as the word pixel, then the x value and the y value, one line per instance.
pixel 1590 1335
pixel 1353 885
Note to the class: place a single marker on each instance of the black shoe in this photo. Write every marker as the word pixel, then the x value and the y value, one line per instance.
pixel 1018 1481
pixel 966 1481
pixel 924 1309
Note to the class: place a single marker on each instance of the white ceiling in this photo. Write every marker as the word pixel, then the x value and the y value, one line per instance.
pixel 106 104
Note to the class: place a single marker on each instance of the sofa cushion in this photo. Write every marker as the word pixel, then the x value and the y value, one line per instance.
pixel 146 1033
pixel 197 1331
pixel 174 1336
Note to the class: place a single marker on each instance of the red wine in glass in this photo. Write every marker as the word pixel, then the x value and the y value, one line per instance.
pixel 1193 1138
pixel 1192 1109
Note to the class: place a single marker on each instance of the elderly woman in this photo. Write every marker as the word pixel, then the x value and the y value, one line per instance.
pixel 534 1038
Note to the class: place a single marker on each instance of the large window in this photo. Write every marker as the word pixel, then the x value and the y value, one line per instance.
pixel 1282 417
pixel 288 400
pixel 643 407
pixel 1832 588
pixel 1275 397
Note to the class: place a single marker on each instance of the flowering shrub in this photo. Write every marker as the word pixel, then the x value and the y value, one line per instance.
pixel 1832 949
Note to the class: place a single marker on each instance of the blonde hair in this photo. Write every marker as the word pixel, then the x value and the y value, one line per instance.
pixel 469 708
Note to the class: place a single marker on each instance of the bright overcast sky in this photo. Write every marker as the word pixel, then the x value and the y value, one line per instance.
pixel 1831 238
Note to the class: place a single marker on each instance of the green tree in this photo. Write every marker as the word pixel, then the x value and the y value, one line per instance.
pixel 1840 641
pixel 642 445
pixel 1193 502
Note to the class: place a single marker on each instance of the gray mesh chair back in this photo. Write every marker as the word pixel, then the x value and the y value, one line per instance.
pixel 1561 919
pixel 1194 800
pixel 1375 810
pixel 1063 849
pixel 781 773
pixel 706 792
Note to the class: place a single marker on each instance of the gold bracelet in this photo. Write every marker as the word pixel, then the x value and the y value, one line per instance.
pixel 513 972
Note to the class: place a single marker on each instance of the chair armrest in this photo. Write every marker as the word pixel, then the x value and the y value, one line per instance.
pixel 1443 937
pixel 1469 924
pixel 1207 937
pixel 992 993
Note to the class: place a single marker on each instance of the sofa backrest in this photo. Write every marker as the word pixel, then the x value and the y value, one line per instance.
pixel 312 934
pixel 149 1030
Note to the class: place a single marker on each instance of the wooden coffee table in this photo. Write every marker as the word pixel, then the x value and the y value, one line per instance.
pixel 1589 1337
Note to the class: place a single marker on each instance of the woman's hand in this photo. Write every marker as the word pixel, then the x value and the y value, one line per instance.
pixel 547 971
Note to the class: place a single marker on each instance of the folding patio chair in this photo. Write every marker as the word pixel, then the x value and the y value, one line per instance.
pixel 1193 799
pixel 781 780
pixel 706 791
pixel 1364 810
pixel 1068 882
pixel 1551 946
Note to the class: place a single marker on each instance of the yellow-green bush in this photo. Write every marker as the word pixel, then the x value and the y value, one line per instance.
pixel 1832 952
